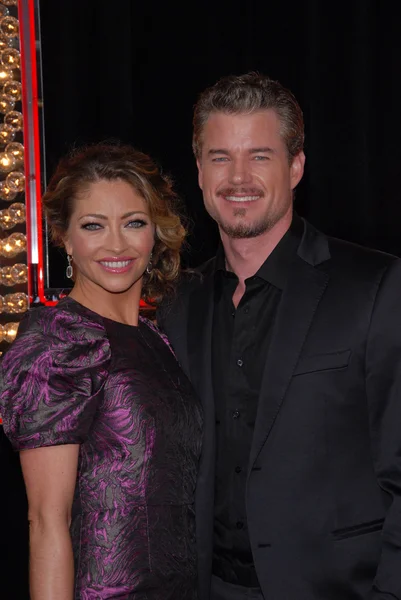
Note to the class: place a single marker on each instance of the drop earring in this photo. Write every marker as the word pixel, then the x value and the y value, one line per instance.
pixel 69 271
pixel 150 264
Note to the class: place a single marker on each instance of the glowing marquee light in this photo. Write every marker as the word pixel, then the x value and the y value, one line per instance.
pixel 14 276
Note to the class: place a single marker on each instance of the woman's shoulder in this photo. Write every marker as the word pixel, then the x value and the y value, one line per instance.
pixel 67 316
pixel 64 330
pixel 51 375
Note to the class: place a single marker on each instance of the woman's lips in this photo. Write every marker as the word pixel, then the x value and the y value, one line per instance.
pixel 116 266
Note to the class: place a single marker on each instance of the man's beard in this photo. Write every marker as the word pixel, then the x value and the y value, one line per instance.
pixel 241 230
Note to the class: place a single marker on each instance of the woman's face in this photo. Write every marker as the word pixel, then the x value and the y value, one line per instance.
pixel 110 237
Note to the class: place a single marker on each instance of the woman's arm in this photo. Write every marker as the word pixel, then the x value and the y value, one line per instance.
pixel 50 475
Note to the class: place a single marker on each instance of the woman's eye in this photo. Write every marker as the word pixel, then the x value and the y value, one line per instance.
pixel 136 224
pixel 91 226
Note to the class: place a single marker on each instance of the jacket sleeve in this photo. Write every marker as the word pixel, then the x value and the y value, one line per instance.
pixel 383 387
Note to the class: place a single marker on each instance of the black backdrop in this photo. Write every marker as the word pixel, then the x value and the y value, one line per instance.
pixel 132 71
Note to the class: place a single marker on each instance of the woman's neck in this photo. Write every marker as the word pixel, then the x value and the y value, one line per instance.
pixel 122 307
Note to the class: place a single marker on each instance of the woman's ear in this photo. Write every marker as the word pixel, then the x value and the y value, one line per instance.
pixel 67 246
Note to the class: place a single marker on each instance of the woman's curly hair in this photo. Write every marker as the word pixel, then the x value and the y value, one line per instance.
pixel 111 162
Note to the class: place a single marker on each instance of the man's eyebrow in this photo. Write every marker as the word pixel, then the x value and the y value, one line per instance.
pixel 218 151
pixel 262 150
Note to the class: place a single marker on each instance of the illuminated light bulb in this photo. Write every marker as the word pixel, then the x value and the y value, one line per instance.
pixel 19 273
pixel 18 212
pixel 17 150
pixel 13 245
pixel 10 2
pixel 9 26
pixel 5 74
pixel 4 43
pixel 7 104
pixel 7 162
pixel 16 303
pixel 1 309
pixel 16 181
pixel 22 302
pixel 10 331
pixel 13 88
pixel 7 134
pixel 19 241
pixel 6 193
pixel 6 275
pixel 1 333
pixel 6 220
pixel 9 303
pixel 11 58
pixel 15 119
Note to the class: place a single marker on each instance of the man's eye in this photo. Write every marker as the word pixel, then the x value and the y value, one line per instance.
pixel 136 224
pixel 260 157
pixel 91 226
pixel 219 159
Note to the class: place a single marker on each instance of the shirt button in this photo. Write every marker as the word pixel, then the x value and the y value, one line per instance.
pixel 238 469
pixel 246 310
pixel 239 524
pixel 236 414
pixel 240 362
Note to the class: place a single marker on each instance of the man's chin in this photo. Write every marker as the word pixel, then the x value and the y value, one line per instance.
pixel 243 231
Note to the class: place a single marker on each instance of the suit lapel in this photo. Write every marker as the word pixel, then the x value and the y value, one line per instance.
pixel 200 321
pixel 300 299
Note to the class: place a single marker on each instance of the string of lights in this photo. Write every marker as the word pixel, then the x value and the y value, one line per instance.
pixel 14 300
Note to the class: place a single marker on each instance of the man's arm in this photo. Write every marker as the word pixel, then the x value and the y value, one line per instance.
pixel 383 386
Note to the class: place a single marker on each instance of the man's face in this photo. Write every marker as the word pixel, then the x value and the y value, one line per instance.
pixel 244 172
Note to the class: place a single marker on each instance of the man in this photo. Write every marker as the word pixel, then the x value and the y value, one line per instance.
pixel 293 341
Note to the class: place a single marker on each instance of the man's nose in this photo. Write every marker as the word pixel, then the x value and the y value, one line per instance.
pixel 240 172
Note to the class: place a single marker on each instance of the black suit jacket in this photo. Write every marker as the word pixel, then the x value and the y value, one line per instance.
pixel 324 479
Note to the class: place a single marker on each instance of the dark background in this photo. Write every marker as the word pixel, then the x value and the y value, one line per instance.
pixel 132 71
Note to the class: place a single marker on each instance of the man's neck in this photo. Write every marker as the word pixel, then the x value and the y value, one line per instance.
pixel 244 257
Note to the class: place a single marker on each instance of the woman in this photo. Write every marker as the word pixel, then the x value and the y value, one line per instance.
pixel 93 397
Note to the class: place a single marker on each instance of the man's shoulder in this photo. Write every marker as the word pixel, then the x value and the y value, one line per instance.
pixel 175 307
pixel 354 257
pixel 347 263
pixel 342 253
pixel 193 278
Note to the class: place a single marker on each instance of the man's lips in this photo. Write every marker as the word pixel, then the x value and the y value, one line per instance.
pixel 241 198
pixel 240 195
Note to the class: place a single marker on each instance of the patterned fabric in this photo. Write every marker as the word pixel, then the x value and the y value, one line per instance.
pixel 73 377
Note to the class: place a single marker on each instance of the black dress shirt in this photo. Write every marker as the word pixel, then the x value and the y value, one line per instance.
pixel 241 339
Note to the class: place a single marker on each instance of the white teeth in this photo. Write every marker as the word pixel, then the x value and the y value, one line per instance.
pixel 119 264
pixel 242 198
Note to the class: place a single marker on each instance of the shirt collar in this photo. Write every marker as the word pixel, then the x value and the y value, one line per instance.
pixel 276 267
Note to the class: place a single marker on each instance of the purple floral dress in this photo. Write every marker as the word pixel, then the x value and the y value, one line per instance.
pixel 73 377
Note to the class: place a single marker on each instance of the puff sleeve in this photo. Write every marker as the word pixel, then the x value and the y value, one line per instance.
pixel 51 379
